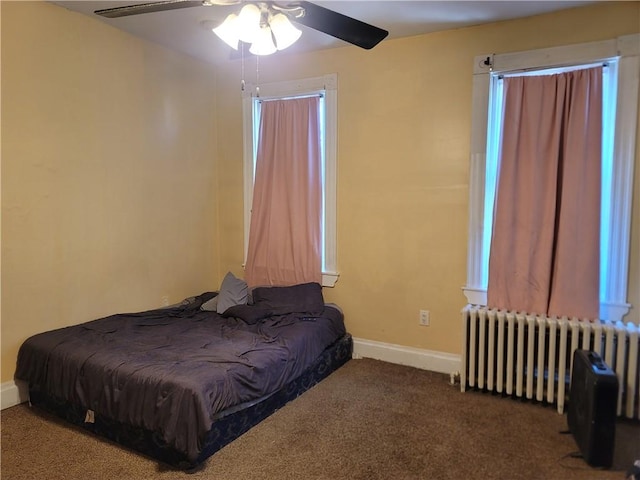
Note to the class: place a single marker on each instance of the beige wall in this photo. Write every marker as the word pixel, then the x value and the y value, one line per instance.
pixel 117 194
pixel 108 147
pixel 404 113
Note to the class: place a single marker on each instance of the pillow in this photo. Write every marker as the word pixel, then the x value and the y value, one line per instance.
pixel 210 305
pixel 302 298
pixel 233 291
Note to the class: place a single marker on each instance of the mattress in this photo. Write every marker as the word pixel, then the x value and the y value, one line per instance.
pixel 170 377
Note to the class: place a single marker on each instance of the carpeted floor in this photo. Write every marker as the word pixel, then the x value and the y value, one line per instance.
pixel 369 420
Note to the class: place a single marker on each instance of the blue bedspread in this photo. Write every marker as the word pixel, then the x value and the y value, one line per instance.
pixel 172 371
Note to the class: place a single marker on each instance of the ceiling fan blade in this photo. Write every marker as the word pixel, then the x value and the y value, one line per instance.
pixel 148 8
pixel 340 26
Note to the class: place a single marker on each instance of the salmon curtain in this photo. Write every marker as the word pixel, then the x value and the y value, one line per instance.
pixel 285 231
pixel 545 247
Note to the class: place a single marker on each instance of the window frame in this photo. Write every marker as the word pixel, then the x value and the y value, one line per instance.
pixel 613 305
pixel 327 85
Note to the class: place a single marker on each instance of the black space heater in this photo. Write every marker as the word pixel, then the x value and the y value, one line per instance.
pixel 593 399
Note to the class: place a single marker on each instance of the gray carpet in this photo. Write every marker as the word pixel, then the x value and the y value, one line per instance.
pixel 369 420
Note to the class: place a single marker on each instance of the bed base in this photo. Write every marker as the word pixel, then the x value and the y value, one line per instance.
pixel 228 426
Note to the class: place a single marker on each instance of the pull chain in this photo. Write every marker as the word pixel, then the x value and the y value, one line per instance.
pixel 258 76
pixel 242 66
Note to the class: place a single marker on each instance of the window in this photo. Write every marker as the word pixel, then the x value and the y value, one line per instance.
pixel 619 126
pixel 327 87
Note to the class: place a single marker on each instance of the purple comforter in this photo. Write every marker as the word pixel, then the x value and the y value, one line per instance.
pixel 171 371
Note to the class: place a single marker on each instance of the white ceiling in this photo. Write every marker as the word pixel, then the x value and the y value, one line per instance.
pixel 184 29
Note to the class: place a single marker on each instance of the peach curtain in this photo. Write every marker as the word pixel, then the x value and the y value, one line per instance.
pixel 285 230
pixel 545 247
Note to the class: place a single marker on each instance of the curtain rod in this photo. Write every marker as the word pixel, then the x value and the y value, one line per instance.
pixel 573 67
pixel 290 97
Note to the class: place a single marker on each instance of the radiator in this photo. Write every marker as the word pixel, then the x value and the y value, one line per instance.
pixel 530 356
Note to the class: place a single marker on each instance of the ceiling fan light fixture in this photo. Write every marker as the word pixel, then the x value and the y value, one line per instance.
pixel 255 14
pixel 248 24
pixel 263 42
pixel 228 31
pixel 283 31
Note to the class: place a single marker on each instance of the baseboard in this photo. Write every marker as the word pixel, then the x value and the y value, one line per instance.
pixel 413 357
pixel 13 393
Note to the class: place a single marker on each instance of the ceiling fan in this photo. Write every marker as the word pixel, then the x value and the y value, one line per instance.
pixel 309 14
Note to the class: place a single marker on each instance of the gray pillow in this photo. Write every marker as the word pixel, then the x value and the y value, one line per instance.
pixel 210 305
pixel 233 291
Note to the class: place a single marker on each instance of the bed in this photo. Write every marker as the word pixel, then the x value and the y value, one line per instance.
pixel 179 383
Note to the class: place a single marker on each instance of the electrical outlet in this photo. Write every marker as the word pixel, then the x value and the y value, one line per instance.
pixel 423 319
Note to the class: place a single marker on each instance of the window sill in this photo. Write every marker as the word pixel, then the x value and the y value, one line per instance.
pixel 329 279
